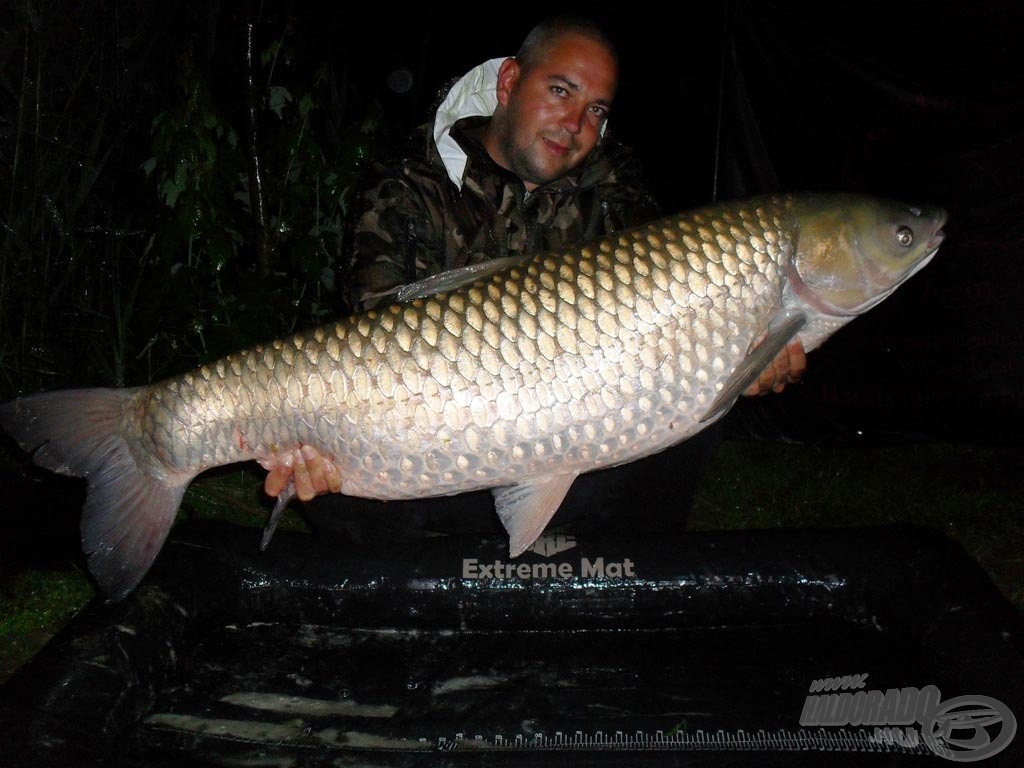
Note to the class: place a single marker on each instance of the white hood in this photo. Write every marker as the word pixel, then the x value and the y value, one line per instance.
pixel 474 95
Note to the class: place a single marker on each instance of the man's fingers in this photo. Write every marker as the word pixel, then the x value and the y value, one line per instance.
pixel 788 366
pixel 311 471
pixel 763 383
pixel 333 476
pixel 320 469
pixel 797 360
pixel 276 480
pixel 304 465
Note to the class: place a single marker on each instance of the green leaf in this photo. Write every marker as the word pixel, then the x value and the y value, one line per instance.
pixel 279 97
pixel 269 53
pixel 169 191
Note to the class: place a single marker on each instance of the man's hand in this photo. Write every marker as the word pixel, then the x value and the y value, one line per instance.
pixel 313 473
pixel 787 367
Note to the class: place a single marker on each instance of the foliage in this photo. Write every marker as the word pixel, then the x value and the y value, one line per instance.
pixel 244 255
pixel 137 246
pixel 63 243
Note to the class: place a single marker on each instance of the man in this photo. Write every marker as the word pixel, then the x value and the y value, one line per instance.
pixel 517 160
pixel 514 162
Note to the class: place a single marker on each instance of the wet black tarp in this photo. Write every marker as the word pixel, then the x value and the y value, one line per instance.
pixel 697 650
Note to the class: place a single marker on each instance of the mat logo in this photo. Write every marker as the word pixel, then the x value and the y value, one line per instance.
pixel 552 543
pixel 549 546
pixel 962 729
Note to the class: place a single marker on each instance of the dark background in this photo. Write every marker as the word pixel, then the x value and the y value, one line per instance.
pixel 914 100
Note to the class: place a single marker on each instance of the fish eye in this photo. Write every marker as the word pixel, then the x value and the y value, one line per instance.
pixel 905 236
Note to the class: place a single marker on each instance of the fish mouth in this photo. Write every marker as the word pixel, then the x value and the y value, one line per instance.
pixel 939 234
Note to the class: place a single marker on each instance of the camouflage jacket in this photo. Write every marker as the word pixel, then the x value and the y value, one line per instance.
pixel 412 219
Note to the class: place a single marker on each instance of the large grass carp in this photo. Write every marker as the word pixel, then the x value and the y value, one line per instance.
pixel 517 378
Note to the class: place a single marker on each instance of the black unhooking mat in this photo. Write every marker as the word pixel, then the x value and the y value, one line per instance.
pixel 837 647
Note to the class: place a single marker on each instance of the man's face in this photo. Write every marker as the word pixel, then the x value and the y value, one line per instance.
pixel 555 111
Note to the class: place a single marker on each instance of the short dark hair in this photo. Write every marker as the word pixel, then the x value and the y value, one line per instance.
pixel 548 31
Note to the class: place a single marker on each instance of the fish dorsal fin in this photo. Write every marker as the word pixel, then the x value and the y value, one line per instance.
pixel 443 282
pixel 527 508
pixel 782 328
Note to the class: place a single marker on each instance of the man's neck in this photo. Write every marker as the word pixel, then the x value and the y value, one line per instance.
pixel 491 139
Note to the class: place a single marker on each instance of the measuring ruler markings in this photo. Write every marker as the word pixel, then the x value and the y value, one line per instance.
pixel 699 740
pixel 802 740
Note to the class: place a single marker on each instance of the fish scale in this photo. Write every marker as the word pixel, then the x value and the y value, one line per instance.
pixel 514 376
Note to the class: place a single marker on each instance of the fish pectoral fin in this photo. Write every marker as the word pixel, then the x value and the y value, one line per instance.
pixel 527 508
pixel 782 328
pixel 454 278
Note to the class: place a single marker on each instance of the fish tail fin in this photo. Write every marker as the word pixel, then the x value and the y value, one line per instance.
pixel 128 512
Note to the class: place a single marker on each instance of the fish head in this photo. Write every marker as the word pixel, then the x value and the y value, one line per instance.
pixel 849 252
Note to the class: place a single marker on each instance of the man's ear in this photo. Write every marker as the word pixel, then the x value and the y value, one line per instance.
pixel 508 76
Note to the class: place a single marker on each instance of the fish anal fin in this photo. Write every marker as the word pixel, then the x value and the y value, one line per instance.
pixel 782 328
pixel 526 509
